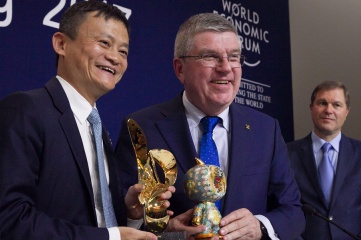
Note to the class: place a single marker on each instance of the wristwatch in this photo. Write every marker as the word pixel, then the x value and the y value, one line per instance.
pixel 264 232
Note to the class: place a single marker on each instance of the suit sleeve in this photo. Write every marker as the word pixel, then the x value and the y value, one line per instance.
pixel 23 214
pixel 286 217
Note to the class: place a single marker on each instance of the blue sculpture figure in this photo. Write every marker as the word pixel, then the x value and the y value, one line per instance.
pixel 205 184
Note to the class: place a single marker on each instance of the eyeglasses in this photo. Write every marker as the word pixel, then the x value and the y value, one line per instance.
pixel 212 60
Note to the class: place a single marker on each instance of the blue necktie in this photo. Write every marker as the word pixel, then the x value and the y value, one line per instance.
pixel 208 152
pixel 109 216
pixel 207 149
pixel 326 171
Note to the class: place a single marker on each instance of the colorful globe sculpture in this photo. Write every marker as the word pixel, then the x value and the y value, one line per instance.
pixel 205 184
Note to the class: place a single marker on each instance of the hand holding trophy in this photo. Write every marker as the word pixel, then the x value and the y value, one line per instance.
pixel 155 215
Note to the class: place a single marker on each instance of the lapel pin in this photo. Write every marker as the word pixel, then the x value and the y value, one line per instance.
pixel 110 140
pixel 248 127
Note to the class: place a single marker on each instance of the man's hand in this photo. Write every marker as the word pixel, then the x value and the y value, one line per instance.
pixel 127 233
pixel 240 224
pixel 181 223
pixel 135 209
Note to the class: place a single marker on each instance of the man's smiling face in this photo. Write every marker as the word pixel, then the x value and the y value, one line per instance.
pixel 211 89
pixel 95 61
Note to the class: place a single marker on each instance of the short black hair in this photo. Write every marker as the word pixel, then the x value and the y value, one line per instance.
pixel 75 15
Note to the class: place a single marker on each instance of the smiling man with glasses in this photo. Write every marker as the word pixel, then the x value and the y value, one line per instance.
pixel 262 199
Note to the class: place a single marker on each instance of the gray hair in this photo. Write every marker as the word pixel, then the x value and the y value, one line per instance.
pixel 204 22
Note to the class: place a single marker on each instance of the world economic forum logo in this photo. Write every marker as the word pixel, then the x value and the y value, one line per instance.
pixel 249 28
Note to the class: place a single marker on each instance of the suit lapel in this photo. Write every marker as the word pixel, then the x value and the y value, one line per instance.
pixel 70 129
pixel 114 183
pixel 108 150
pixel 345 163
pixel 175 131
pixel 240 147
pixel 239 143
pixel 309 164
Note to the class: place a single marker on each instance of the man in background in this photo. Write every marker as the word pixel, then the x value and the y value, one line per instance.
pixel 327 166
pixel 262 199
pixel 57 171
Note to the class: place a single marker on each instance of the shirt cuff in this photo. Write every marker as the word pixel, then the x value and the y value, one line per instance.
pixel 268 225
pixel 134 223
pixel 114 233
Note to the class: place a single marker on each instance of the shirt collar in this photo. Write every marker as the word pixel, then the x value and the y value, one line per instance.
pixel 78 104
pixel 194 115
pixel 318 142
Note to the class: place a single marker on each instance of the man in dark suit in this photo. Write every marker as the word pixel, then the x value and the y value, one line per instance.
pixel 48 163
pixel 262 199
pixel 330 105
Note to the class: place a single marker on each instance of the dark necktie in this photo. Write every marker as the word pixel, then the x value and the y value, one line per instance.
pixel 208 150
pixel 109 216
pixel 326 171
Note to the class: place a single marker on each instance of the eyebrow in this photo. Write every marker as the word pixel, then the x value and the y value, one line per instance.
pixel 123 44
pixel 324 100
pixel 207 50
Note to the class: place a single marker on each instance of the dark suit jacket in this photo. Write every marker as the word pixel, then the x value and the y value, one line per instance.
pixel 45 187
pixel 259 175
pixel 345 205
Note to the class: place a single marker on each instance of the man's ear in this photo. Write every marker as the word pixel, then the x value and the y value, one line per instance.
pixel 178 65
pixel 59 43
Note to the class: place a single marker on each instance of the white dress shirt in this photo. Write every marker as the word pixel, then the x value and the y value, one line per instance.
pixel 220 132
pixel 81 109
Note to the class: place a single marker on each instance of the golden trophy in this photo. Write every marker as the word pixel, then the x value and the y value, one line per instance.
pixel 155 215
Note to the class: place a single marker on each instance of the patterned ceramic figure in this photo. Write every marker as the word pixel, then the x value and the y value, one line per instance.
pixel 205 184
